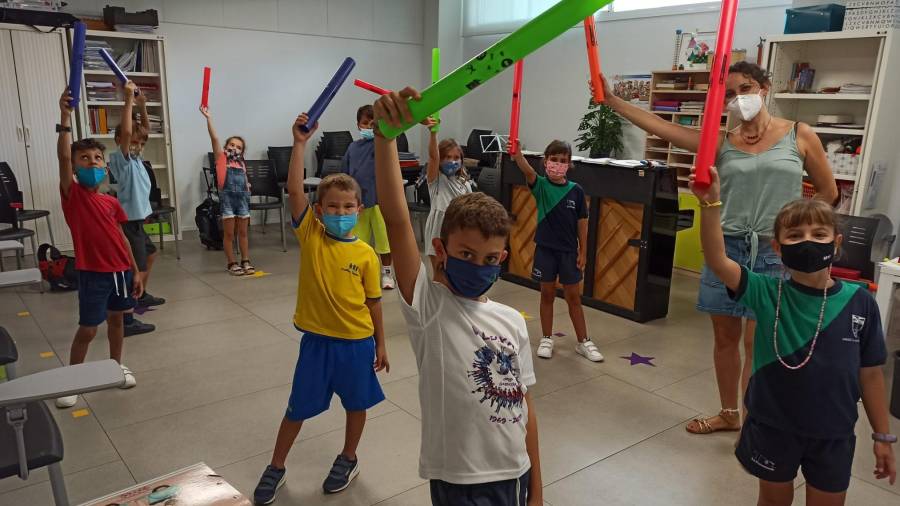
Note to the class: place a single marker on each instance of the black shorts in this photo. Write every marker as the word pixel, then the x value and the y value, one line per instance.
pixel 141 245
pixel 551 263
pixel 512 492
pixel 772 454
pixel 100 293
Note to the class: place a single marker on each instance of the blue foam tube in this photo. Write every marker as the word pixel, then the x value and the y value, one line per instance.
pixel 318 107
pixel 113 66
pixel 76 62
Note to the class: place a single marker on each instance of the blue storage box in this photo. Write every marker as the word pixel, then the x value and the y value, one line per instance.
pixel 816 18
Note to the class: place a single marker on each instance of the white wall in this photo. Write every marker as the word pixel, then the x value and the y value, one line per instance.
pixel 554 90
pixel 270 59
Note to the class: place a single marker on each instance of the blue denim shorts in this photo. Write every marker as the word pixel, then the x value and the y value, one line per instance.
pixel 713 296
pixel 235 197
pixel 100 292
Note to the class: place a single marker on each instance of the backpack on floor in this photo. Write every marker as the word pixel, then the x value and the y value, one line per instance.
pixel 208 217
pixel 57 269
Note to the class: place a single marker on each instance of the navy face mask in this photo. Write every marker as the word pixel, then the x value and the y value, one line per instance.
pixel 470 280
pixel 807 256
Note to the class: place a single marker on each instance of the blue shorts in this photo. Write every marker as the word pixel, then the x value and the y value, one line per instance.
pixel 99 292
pixel 329 366
pixel 551 263
pixel 713 295
pixel 512 492
pixel 235 197
pixel 772 454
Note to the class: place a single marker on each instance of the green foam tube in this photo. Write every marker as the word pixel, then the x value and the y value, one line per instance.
pixel 497 58
pixel 435 77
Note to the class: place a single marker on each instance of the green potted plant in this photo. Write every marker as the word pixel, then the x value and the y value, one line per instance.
pixel 601 131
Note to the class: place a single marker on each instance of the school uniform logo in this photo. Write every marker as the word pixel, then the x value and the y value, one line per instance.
pixel 760 460
pixel 536 273
pixel 352 268
pixel 495 373
pixel 856 325
pixel 570 204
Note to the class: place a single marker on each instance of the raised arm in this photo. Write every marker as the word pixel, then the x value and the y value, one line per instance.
pixel 127 129
pixel 393 109
pixel 213 138
pixel 297 170
pixel 141 101
pixel 526 168
pixel 683 137
pixel 64 144
pixel 712 239
pixel 816 163
pixel 434 157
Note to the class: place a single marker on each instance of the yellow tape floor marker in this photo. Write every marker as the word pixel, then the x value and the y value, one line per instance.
pixel 257 274
pixel 23 313
pixel 47 354
pixel 78 413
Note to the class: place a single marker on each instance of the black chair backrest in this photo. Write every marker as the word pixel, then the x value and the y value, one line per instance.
pixel 856 250
pixel 330 166
pixel 489 181
pixel 280 156
pixel 402 143
pixel 8 213
pixel 155 192
pixel 335 144
pixel 261 176
pixel 9 187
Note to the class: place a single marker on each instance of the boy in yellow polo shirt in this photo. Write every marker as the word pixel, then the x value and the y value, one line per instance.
pixel 339 313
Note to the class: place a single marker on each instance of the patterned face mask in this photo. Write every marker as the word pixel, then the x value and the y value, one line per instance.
pixel 557 169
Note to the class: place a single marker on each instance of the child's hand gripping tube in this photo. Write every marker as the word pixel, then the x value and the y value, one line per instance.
pixel 564 15
pixel 715 98
pixel 318 107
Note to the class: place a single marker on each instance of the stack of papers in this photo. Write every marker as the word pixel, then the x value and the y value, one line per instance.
pixel 693 106
pixel 135 28
pixel 92 58
pixel 101 91
pixel 856 88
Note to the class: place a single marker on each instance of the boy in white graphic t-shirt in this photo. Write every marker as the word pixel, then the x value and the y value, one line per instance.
pixel 479 429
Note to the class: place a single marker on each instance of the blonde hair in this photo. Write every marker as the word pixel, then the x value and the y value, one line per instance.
pixel 476 211
pixel 805 212
pixel 341 182
pixel 444 149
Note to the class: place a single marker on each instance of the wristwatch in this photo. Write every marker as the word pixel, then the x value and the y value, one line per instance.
pixel 60 128
pixel 884 438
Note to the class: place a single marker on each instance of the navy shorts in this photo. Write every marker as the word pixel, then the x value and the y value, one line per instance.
pixel 99 292
pixel 512 492
pixel 713 295
pixel 329 366
pixel 772 454
pixel 551 263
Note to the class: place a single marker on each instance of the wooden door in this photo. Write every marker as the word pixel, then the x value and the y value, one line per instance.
pixel 616 265
pixel 41 72
pixel 521 236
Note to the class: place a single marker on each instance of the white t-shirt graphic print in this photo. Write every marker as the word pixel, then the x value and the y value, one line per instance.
pixel 475 365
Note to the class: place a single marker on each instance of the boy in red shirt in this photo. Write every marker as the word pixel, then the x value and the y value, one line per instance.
pixel 102 254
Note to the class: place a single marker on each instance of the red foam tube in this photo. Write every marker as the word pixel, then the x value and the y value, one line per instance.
pixel 371 87
pixel 204 100
pixel 513 144
pixel 593 54
pixel 715 98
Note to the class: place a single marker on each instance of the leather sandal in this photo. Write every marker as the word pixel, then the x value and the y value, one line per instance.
pixel 705 427
pixel 234 269
pixel 247 267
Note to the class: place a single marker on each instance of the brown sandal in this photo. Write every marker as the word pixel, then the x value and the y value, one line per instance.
pixel 234 269
pixel 247 267
pixel 704 427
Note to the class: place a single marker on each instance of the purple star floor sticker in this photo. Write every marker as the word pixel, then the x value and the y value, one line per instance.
pixel 640 359
pixel 559 334
pixel 142 309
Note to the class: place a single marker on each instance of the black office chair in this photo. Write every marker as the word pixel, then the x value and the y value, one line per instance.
pixel 9 216
pixel 9 187
pixel 489 182
pixel 162 213
pixel 856 250
pixel 264 186
pixel 473 150
pixel 402 143
pixel 332 146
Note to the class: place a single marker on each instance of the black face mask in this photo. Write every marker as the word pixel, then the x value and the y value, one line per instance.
pixel 807 256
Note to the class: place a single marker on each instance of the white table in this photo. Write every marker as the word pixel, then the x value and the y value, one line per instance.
pixel 888 278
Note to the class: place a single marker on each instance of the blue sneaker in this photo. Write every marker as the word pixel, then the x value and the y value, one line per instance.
pixel 272 479
pixel 342 473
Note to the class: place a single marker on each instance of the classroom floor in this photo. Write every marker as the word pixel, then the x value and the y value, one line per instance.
pixel 213 380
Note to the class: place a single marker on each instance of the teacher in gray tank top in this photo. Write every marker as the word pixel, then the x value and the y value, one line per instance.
pixel 761 164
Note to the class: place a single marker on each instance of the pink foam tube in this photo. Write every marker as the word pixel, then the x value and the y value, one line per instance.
pixel 715 98
pixel 513 145
pixel 204 100
pixel 371 87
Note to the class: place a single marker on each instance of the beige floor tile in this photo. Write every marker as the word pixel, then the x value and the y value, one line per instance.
pixel 415 497
pixel 561 371
pixel 191 312
pixel 10 303
pixel 405 394
pixel 81 486
pixel 401 358
pixel 699 392
pixel 388 456
pixel 275 310
pixel 178 286
pixel 861 493
pixel 590 421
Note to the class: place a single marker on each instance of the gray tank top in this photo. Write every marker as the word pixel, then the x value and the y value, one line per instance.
pixel 756 186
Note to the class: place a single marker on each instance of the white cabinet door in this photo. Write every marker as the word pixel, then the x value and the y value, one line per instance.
pixel 12 131
pixel 41 71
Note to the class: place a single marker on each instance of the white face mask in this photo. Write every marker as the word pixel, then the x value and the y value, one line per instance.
pixel 748 106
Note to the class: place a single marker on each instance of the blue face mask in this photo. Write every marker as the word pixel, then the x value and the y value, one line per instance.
pixel 367 133
pixel 450 168
pixel 470 280
pixel 339 225
pixel 90 177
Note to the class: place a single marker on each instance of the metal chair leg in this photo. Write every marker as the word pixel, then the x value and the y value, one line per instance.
pixel 162 244
pixel 265 219
pixel 173 223
pixel 50 231
pixel 34 252
pixel 19 254
pixel 58 484
pixel 281 227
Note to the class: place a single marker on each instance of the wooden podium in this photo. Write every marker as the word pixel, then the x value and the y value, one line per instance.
pixel 633 215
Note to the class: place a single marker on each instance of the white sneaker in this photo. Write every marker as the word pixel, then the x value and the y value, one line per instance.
pixel 387 278
pixel 589 351
pixel 545 349
pixel 66 402
pixel 130 382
